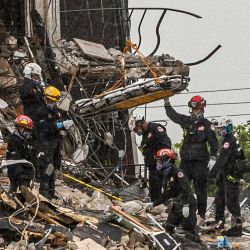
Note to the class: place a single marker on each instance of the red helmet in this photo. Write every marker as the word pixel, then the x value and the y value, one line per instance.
pixel 197 102
pixel 165 153
pixel 24 121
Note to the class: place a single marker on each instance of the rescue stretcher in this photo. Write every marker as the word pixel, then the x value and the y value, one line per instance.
pixel 136 94
pixel 157 234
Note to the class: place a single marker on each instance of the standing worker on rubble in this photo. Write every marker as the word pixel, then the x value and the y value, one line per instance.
pixel 177 187
pixel 228 177
pixel 19 149
pixel 154 137
pixel 31 95
pixel 197 132
pixel 31 91
pixel 50 123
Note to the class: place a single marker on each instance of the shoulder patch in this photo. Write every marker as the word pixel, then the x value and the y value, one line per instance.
pixel 226 145
pixel 180 175
pixel 201 128
pixel 160 129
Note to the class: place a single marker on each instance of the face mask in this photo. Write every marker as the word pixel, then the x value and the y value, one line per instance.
pixel 226 130
pixel 166 171
pixel 164 167
pixel 223 133
pixel 26 134
pixel 139 132
pixel 158 165
pixel 51 106
pixel 197 114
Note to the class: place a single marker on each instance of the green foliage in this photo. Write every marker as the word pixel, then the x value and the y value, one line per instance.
pixel 242 132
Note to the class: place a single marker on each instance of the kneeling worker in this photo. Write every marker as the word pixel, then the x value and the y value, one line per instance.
pixel 177 187
pixel 18 152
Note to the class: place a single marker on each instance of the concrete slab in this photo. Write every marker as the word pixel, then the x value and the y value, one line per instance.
pixel 95 50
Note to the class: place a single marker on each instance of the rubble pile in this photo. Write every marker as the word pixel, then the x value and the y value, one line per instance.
pixel 77 220
pixel 96 62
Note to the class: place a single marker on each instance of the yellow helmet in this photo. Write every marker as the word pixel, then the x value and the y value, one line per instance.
pixel 52 93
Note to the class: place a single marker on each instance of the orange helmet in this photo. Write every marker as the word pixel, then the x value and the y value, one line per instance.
pixel 24 121
pixel 165 153
pixel 197 102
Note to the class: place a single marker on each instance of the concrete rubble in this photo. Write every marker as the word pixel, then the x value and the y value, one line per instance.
pixel 94 226
pixel 103 64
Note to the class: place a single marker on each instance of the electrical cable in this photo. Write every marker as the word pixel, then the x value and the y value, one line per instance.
pixel 208 104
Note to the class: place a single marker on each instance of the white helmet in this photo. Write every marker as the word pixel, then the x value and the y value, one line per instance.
pixel 133 119
pixel 139 117
pixel 224 121
pixel 32 68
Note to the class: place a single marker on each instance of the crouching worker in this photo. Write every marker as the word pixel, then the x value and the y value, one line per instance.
pixel 177 187
pixel 50 123
pixel 20 171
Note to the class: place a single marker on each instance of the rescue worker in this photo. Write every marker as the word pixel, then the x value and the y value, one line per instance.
pixel 31 91
pixel 31 95
pixel 19 149
pixel 197 132
pixel 50 123
pixel 154 137
pixel 229 176
pixel 177 187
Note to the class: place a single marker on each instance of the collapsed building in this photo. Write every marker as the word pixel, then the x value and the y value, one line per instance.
pixel 102 76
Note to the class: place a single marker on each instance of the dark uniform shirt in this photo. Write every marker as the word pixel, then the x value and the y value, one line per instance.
pixel 31 95
pixel 177 187
pixel 18 148
pixel 196 135
pixel 230 154
pixel 153 139
pixel 47 119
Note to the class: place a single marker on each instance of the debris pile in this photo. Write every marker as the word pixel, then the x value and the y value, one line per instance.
pixel 77 220
pixel 94 61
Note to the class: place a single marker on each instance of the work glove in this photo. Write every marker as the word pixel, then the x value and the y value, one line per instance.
pixel 185 210
pixel 166 100
pixel 67 124
pixel 211 163
pixel 148 206
pixel 49 170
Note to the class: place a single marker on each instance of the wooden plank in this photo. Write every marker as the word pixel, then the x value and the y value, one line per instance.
pixel 129 217
pixel 95 50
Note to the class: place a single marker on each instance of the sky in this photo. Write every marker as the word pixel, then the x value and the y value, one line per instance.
pixel 224 22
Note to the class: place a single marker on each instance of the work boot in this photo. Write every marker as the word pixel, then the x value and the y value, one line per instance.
pixel 236 228
pixel 169 228
pixel 233 232
pixel 193 236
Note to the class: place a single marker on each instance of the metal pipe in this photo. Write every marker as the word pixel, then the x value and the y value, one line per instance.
pixel 158 33
pixel 204 59
pixel 133 8
pixel 139 29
